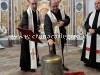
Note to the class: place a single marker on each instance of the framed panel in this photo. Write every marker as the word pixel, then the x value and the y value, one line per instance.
pixel 4 5
pixel 0 12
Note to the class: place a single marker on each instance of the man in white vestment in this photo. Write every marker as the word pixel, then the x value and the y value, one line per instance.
pixel 91 49
pixel 29 58
pixel 54 27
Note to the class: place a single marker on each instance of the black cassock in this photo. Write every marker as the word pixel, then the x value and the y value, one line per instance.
pixel 92 56
pixel 25 53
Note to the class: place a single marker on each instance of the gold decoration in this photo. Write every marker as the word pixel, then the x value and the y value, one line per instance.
pixel 33 53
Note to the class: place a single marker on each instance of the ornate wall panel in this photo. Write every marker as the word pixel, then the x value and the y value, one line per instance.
pixel 43 7
pixel 4 12
pixel 79 8
pixel 11 17
pixel 0 12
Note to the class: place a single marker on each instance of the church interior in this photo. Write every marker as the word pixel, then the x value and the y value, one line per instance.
pixel 10 19
pixel 11 15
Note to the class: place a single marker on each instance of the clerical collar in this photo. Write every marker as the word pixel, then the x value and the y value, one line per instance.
pixel 34 11
pixel 56 13
pixel 98 10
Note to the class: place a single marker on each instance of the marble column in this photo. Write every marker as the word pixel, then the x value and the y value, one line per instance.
pixel 10 18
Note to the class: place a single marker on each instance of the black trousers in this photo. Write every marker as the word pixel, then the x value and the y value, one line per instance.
pixel 63 41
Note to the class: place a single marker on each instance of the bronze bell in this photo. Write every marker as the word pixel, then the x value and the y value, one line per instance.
pixel 51 64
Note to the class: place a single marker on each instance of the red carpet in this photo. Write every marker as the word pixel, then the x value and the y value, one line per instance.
pixel 71 73
pixel 75 73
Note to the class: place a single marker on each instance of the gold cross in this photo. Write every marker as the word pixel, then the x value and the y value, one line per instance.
pixel 33 53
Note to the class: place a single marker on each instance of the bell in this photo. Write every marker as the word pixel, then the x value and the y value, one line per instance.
pixel 51 64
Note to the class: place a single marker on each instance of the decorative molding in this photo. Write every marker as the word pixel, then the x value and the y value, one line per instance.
pixel 78 13
pixel 4 5
pixel 79 6
pixel 0 13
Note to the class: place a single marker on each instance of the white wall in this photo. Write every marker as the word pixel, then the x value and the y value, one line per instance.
pixel 90 6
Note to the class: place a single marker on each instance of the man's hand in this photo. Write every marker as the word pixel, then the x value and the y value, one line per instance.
pixel 60 23
pixel 50 42
pixel 27 37
pixel 91 31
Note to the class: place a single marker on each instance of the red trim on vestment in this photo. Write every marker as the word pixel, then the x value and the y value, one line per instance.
pixel 97 51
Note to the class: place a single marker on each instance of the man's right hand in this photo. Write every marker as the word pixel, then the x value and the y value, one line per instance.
pixel 60 23
pixel 50 42
pixel 27 37
pixel 91 31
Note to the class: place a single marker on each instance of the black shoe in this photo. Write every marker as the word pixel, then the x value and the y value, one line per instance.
pixel 86 65
pixel 38 64
pixel 65 68
pixel 32 70
pixel 25 70
pixel 98 70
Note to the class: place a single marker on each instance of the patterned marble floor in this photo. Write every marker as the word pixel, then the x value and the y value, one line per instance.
pixel 9 60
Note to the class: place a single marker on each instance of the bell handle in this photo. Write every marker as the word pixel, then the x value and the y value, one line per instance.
pixel 51 53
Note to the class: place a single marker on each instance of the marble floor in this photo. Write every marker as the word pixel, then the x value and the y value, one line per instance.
pixel 9 60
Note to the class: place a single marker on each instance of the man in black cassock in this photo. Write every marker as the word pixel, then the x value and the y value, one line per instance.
pixel 25 59
pixel 55 17
pixel 91 49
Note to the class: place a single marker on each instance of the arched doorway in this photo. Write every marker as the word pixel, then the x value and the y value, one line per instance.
pixel 43 10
